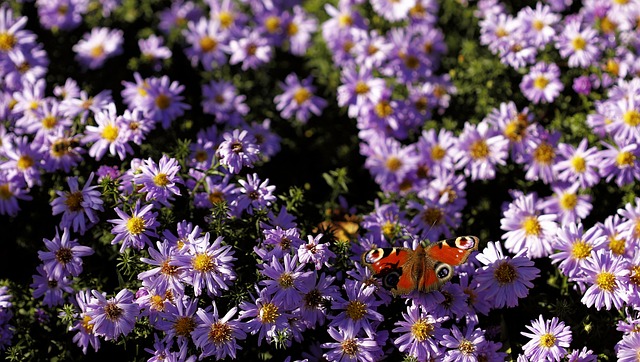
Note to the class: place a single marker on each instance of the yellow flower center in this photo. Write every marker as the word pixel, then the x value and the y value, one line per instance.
pixel 578 43
pixel 433 216
pixel 612 67
pixel 581 250
pixel 479 149
pixel 86 324
pixel 110 132
pixel 74 201
pixel 163 101
pixel 422 329
pixel 607 25
pixel 541 82
pixel 568 201
pixel 49 122
pixel 184 326
pixel 268 313
pixel 505 273
pixel 393 164
pixel 350 347
pixel 544 154
pixel 531 226
pixel 135 225
pixel 383 109
pixel 7 41
pixel 5 192
pixel 113 312
pixel 285 280
pixel 606 281
pixel 579 164
pixel 292 29
pixel 361 87
pixel 208 44
pixel 438 153
pixel 226 19
pixel 216 197
pixel 251 49
pixel 625 159
pixel 161 180
pixel 219 333
pixel 168 269
pixel 356 310
pixel 538 24
pixel 617 245
pixel 631 118
pixel 301 95
pixel 345 20
pixel 272 24
pixel 634 278
pixel 24 162
pixel 547 340
pixel 97 51
pixel 412 62
pixel 203 263
pixel 388 229
pixel 467 347
pixel 501 32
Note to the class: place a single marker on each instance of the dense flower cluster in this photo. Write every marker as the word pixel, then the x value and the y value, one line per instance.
pixel 186 221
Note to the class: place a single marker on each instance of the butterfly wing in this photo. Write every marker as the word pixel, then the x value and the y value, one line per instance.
pixel 441 257
pixel 394 267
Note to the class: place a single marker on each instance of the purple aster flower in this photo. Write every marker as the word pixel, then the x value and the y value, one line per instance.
pixel 628 348
pixel 114 316
pixel 393 10
pixel 539 24
pixel 217 336
pixel 629 227
pixel 542 83
pixel 385 223
pixel 178 15
pixel 582 85
pixel 216 190
pixel 12 189
pixel 583 355
pixel 278 242
pixel 111 134
pixel 23 160
pixel 254 194
pixel 83 325
pixel 462 346
pixel 567 204
pixel 163 102
pixel 153 50
pixel 578 164
pixel 238 150
pixel 221 99
pixel 625 119
pixel 61 14
pixel 316 292
pixel 178 320
pixel 341 21
pixel 615 242
pixel 284 280
pixel 159 181
pixel 227 13
pixel 164 277
pixel 455 302
pixel 77 204
pixel 388 161
pixel 99 45
pixel 579 45
pixel 620 161
pixel 63 256
pixel 359 90
pixel 575 246
pixel 51 288
pixel 419 333
pixel 315 252
pixel 541 156
pixel 267 140
pixel 482 148
pixel 298 98
pixel 265 317
pixel 503 279
pixel 206 42
pixel 606 273
pixel 437 151
pixel 14 29
pixel 358 311
pixel 64 152
pixel 527 228
pixel 84 104
pixel 206 265
pixel 350 348
pixel 252 49
pixel 300 29
pixel 549 339
pixel 433 219
pixel 134 230
pixel 515 126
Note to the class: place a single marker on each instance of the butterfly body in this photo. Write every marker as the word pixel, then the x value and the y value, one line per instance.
pixel 403 270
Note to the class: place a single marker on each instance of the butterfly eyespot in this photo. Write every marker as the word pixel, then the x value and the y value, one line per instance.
pixel 444 271
pixel 466 242
pixel 373 255
pixel 391 280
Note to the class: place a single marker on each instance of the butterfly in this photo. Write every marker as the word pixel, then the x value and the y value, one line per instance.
pixel 426 268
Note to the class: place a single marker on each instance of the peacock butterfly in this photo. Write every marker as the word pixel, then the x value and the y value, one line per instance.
pixel 426 268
